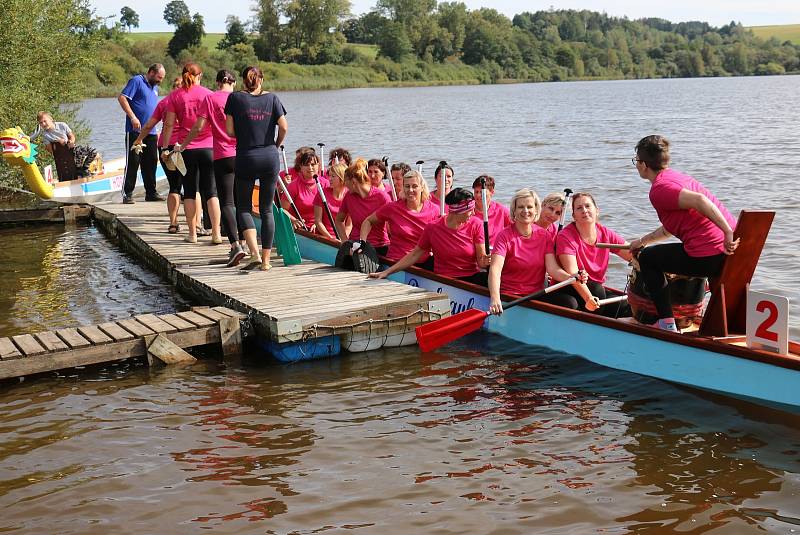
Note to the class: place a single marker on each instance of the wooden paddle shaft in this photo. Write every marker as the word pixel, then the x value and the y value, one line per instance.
pixel 327 208
pixel 621 246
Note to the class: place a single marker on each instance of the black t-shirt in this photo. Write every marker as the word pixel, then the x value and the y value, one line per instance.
pixel 254 118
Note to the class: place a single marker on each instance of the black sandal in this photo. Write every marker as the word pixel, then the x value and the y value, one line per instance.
pixel 174 229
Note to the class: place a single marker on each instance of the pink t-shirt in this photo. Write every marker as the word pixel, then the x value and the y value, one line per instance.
pixel 158 114
pixel 333 203
pixel 524 268
pixel 186 106
pixel 499 219
pixel 590 258
pixel 453 249
pixel 359 209
pixel 303 194
pixel 700 236
pixel 405 226
pixel 435 200
pixel 213 110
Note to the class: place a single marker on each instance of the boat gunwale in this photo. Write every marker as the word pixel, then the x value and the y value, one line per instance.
pixel 715 345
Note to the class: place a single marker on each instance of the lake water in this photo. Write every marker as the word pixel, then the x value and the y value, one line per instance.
pixel 486 436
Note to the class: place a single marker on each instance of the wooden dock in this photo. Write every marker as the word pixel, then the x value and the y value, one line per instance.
pixel 286 304
pixel 163 337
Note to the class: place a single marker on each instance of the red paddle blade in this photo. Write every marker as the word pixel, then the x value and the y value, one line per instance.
pixel 437 333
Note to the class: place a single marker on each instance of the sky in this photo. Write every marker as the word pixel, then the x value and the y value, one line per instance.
pixel 715 12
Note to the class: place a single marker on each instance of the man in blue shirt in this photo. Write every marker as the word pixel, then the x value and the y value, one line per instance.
pixel 138 99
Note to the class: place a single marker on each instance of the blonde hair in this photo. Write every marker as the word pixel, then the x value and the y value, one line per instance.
pixel 554 199
pixel 337 170
pixel 426 193
pixel 43 114
pixel 177 82
pixel 358 172
pixel 526 193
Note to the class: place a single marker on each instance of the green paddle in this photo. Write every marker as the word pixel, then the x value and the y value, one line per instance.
pixel 285 240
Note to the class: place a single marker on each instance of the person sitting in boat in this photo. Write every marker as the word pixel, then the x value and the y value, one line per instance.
pixel 523 253
pixel 362 200
pixel 455 240
pixel 397 172
pixel 575 246
pixel 59 140
pixel 339 155
pixel 376 170
pixel 303 190
pixel 294 171
pixel 448 184
pixel 170 171
pixel 499 217
pixel 552 208
pixel 407 218
pixel 334 195
pixel 686 210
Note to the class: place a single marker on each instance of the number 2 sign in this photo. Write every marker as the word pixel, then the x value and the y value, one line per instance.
pixel 768 322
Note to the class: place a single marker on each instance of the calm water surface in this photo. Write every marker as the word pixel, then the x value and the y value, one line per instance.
pixel 488 436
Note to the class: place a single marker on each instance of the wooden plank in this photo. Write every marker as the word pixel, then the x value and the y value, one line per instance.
pixel 178 323
pixel 72 338
pixel 209 313
pixel 50 341
pixel 136 328
pixel 155 324
pixel 28 345
pixel 94 335
pixel 195 318
pixel 8 350
pixel 230 336
pixel 115 331
pixel 167 352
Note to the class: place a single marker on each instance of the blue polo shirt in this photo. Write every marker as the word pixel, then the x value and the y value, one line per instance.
pixel 142 98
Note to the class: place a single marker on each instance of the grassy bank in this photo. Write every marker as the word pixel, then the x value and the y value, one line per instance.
pixel 783 32
pixel 210 40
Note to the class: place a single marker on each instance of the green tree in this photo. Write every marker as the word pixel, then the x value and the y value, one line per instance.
pixel 394 43
pixel 269 43
pixel 187 35
pixel 176 13
pixel 128 18
pixel 311 22
pixel 235 33
pixel 41 70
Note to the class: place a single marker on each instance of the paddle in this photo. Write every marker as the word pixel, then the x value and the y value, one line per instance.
pixel 485 216
pixel 321 157
pixel 567 193
pixel 419 166
pixel 327 208
pixel 285 191
pixel 285 163
pixel 389 174
pixel 620 246
pixel 611 300
pixel 285 239
pixel 442 167
pixel 437 333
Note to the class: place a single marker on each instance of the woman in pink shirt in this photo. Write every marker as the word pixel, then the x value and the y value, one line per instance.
pixel 688 211
pixel 575 247
pixel 456 242
pixel 552 208
pixel 334 195
pixel 212 112
pixel 360 202
pixel 376 170
pixel 303 190
pixel 184 105
pixel 523 253
pixel 499 217
pixel 407 218
pixel 397 173
pixel 448 185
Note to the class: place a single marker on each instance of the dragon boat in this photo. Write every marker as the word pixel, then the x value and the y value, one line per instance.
pixel 19 151
pixel 711 354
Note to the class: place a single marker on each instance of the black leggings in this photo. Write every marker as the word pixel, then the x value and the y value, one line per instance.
pixel 173 177
pixel 224 177
pixel 262 165
pixel 480 278
pixel 672 258
pixel 570 298
pixel 199 174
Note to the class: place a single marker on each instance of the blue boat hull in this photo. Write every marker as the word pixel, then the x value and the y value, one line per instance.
pixel 630 348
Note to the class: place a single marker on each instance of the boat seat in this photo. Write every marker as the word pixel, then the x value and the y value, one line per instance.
pixel 727 308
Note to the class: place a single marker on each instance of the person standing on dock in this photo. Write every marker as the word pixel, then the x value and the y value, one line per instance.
pixel 688 211
pixel 253 116
pixel 138 99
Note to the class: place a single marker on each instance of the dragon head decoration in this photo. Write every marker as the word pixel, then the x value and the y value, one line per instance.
pixel 19 151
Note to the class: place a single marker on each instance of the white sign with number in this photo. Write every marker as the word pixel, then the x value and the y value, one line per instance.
pixel 48 174
pixel 768 322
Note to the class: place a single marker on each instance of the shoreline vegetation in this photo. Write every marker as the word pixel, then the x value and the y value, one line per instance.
pixel 319 45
